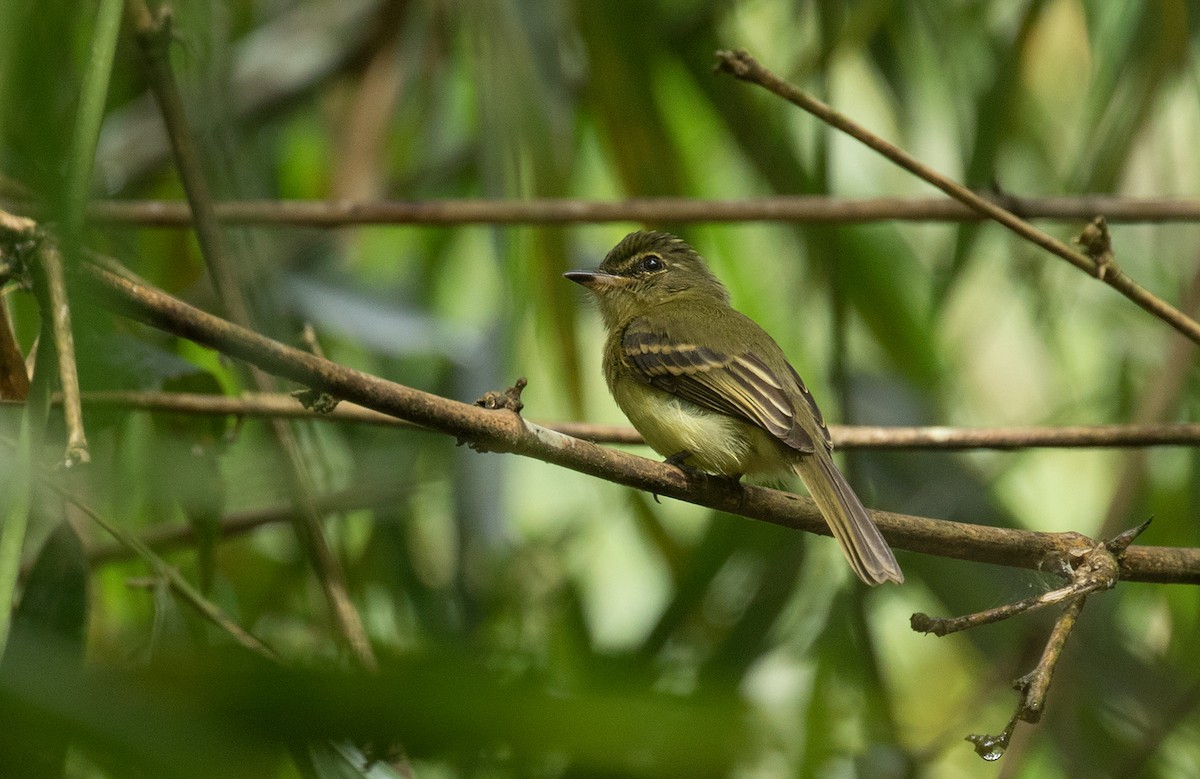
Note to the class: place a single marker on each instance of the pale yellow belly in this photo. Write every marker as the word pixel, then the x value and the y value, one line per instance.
pixel 719 443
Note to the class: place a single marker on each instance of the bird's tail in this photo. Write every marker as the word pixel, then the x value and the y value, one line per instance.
pixel 861 542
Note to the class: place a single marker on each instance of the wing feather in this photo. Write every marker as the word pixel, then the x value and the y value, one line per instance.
pixel 740 385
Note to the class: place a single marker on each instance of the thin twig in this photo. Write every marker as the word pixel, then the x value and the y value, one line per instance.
pixel 743 66
pixel 1033 686
pixel 59 314
pixel 503 431
pixel 1091 569
pixel 168 537
pixel 153 34
pixel 182 586
pixel 845 437
pixel 1007 438
pixel 799 209
pixel 85 133
pixel 944 626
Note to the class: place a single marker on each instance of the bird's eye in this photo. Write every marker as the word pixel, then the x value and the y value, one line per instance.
pixel 652 264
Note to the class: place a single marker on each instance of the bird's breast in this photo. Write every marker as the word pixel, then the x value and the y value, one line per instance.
pixel 719 443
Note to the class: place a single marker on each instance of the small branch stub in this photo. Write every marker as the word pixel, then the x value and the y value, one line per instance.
pixel 509 399
pixel 315 400
pixel 1097 244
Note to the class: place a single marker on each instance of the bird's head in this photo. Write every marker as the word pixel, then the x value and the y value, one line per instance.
pixel 644 270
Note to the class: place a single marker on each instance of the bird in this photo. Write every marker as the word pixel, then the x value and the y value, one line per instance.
pixel 709 389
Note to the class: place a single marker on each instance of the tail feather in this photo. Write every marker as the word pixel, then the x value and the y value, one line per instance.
pixel 861 542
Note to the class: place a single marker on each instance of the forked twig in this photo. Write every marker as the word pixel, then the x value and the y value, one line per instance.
pixel 1091 569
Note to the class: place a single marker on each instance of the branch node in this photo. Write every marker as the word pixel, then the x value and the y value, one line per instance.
pixel 154 27
pixel 921 622
pixel 20 238
pixel 76 454
pixel 509 399
pixel 316 401
pixel 1092 567
pixel 737 63
pixel 1096 243
pixel 14 228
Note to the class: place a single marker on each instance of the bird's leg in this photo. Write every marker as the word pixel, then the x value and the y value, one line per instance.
pixel 678 459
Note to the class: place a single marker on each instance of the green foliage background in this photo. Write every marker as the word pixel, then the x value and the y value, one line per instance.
pixel 533 621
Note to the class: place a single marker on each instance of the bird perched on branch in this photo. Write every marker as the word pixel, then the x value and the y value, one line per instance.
pixel 708 388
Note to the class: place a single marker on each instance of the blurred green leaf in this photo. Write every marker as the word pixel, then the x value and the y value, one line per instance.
pixel 1155 54
pixel 497 585
pixel 51 617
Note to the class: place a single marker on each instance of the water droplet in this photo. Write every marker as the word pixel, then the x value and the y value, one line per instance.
pixel 990 748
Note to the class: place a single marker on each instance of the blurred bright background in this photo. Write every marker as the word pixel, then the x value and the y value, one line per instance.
pixel 536 621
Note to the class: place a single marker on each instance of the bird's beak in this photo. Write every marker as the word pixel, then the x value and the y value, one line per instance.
pixel 595 280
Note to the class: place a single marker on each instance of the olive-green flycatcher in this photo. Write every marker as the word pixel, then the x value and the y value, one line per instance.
pixel 708 388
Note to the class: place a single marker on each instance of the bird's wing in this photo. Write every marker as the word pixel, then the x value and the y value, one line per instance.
pixel 740 385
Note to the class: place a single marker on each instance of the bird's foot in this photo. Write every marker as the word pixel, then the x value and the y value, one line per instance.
pixel 678 460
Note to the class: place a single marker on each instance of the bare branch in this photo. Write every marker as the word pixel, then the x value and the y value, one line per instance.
pixel 743 66
pixel 57 311
pixel 1033 686
pixel 179 584
pixel 504 431
pixel 1091 569
pixel 801 209
pixel 169 537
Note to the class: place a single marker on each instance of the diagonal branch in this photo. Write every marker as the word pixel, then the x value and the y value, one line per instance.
pixel 153 34
pixel 162 538
pixel 209 610
pixel 743 66
pixel 505 431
